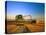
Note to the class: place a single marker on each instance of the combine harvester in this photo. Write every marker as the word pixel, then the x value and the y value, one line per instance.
pixel 20 23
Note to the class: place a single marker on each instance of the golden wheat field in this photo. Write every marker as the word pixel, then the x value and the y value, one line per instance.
pixel 37 27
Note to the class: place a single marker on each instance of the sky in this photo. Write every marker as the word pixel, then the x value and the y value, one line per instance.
pixel 25 8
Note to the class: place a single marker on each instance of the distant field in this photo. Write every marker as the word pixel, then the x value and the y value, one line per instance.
pixel 37 27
